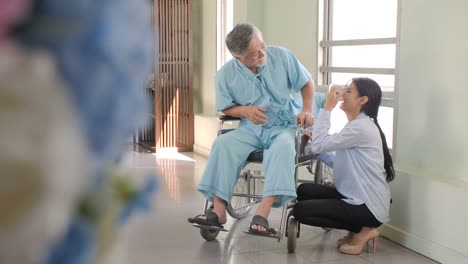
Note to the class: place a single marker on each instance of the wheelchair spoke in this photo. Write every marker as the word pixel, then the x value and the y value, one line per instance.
pixel 245 195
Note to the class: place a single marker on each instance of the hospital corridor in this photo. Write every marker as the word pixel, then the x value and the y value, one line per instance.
pixel 233 132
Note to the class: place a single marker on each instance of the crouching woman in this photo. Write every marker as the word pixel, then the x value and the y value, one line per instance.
pixel 362 168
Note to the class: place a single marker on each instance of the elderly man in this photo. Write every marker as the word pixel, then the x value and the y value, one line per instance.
pixel 258 85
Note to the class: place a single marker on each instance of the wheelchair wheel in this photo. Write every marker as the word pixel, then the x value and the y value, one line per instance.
pixel 239 207
pixel 209 235
pixel 292 234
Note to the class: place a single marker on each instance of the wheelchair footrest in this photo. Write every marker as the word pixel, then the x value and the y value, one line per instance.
pixel 276 236
pixel 212 228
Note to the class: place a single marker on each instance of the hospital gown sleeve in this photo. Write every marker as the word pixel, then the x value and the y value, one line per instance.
pixel 327 158
pixel 350 136
pixel 224 98
pixel 298 75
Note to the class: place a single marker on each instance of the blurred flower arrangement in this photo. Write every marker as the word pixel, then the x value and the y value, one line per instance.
pixel 71 74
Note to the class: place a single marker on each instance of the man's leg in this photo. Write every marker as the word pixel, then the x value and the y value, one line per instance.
pixel 219 208
pixel 278 163
pixel 228 155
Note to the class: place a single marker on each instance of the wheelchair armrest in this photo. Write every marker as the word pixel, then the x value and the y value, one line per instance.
pixel 228 118
pixel 222 119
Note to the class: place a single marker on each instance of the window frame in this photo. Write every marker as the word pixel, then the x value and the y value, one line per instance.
pixel 325 54
pixel 224 16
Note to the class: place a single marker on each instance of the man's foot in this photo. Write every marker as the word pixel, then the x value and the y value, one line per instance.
pixel 263 210
pixel 218 208
pixel 260 228
pixel 221 214
pixel 261 223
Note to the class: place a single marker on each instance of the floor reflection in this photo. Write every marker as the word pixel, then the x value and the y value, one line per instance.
pixel 164 236
pixel 168 168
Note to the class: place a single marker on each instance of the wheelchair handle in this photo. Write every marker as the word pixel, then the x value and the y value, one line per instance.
pixel 298 142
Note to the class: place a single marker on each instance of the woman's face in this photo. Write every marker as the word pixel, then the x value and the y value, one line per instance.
pixel 352 101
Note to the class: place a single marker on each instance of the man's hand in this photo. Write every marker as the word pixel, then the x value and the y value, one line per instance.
pixel 304 119
pixel 255 114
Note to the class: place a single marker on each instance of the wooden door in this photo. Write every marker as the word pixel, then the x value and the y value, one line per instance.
pixel 173 81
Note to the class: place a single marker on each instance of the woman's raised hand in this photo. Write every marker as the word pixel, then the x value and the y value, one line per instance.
pixel 333 97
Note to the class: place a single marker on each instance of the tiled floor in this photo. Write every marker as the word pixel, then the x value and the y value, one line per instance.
pixel 164 236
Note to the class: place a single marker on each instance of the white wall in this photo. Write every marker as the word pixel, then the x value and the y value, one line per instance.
pixel 432 93
pixel 430 192
pixel 204 56
pixel 291 24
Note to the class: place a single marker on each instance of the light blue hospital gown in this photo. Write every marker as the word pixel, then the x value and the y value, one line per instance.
pixel 273 87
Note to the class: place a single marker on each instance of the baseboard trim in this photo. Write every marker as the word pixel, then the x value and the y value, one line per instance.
pixel 424 247
pixel 201 150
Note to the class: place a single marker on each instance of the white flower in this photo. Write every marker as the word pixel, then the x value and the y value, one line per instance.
pixel 42 156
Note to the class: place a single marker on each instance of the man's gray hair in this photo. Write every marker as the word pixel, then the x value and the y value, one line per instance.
pixel 238 40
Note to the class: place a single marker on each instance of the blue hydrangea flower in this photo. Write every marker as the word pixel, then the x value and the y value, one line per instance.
pixel 103 52
pixel 103 49
pixel 78 245
pixel 141 201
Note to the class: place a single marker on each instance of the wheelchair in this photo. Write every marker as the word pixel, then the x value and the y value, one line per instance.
pixel 249 186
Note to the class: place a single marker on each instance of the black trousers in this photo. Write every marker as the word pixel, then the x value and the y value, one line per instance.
pixel 320 205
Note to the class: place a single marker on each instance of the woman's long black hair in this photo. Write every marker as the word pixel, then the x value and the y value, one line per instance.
pixel 370 88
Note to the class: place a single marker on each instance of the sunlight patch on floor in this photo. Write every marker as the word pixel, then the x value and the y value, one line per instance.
pixel 171 153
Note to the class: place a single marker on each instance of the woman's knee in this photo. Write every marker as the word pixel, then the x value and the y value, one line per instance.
pixel 301 191
pixel 299 210
pixel 308 190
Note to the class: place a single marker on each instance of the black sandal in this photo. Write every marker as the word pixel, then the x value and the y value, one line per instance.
pixel 259 220
pixel 211 222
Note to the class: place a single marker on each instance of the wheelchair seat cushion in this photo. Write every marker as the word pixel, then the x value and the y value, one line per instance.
pixel 256 156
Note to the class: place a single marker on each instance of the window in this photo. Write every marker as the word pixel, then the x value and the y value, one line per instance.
pixel 223 27
pixel 359 38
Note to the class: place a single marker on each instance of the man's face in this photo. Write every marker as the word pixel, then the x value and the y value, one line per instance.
pixel 256 53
